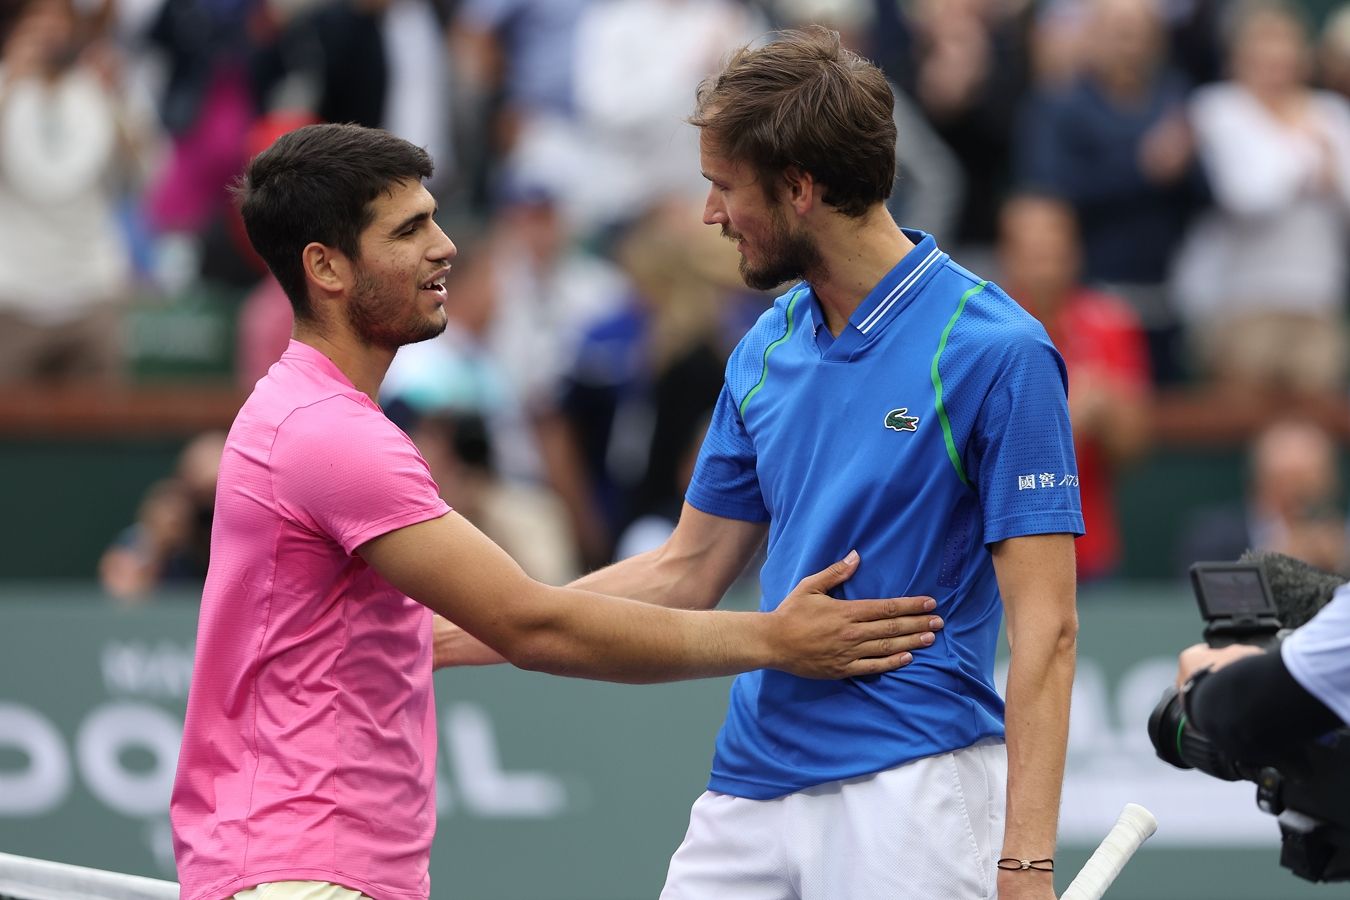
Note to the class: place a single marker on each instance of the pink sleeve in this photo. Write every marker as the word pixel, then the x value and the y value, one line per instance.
pixel 343 470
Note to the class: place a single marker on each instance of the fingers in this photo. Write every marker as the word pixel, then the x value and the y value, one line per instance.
pixel 877 665
pixel 889 608
pixel 831 576
pixel 913 631
pixel 886 648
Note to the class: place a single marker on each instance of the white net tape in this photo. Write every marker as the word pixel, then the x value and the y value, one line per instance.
pixel 25 878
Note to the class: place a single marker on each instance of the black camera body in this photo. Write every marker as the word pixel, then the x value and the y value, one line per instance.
pixel 1236 604
pixel 1309 790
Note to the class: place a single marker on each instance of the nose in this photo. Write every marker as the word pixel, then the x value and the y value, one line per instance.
pixel 713 213
pixel 443 248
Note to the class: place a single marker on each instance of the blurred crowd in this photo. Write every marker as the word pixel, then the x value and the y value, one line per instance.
pixel 1164 183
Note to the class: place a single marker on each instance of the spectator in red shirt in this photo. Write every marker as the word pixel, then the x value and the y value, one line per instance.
pixel 1104 349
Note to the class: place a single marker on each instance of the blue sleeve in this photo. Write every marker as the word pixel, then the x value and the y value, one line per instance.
pixel 725 482
pixel 1023 464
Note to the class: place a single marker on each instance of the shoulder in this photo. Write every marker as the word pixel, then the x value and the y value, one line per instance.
pixel 749 361
pixel 989 335
pixel 1331 622
pixel 985 315
pixel 784 316
pixel 349 409
pixel 335 426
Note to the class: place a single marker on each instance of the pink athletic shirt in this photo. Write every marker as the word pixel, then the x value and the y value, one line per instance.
pixel 310 743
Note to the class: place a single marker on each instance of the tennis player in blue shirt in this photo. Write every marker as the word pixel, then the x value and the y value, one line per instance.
pixel 893 403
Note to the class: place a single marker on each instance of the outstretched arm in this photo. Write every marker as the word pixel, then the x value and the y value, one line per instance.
pixel 1037 580
pixel 451 567
pixel 691 570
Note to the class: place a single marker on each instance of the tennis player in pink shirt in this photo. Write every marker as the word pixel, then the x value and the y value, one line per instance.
pixel 306 769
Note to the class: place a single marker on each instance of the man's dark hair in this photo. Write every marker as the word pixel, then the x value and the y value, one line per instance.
pixel 803 100
pixel 316 184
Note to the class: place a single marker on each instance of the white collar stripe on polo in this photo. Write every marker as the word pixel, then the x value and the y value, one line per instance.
pixel 899 291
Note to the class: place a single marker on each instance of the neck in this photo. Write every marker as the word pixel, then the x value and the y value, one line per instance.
pixel 364 365
pixel 856 254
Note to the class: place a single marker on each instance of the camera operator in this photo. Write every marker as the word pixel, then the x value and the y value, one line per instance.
pixel 1266 704
pixel 1255 705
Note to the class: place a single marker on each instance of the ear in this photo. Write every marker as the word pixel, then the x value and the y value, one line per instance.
pixel 327 268
pixel 800 189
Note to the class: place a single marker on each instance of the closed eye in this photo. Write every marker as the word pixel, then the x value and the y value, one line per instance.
pixel 413 224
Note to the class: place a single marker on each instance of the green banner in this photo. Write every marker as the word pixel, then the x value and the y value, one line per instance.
pixel 551 789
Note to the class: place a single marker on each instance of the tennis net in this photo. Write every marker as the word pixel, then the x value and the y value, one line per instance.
pixel 26 878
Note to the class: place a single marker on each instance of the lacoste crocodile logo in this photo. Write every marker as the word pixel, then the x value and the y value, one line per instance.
pixel 898 420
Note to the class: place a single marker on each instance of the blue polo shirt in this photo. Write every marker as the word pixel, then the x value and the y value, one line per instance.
pixel 934 425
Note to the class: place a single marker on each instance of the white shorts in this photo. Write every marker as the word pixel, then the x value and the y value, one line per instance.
pixel 930 828
pixel 300 890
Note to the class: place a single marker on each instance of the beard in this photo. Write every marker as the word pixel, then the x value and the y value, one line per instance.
pixel 787 255
pixel 381 319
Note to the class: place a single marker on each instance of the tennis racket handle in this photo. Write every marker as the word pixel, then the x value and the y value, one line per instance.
pixel 1134 826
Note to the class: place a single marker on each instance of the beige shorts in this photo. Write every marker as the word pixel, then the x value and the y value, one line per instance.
pixel 300 890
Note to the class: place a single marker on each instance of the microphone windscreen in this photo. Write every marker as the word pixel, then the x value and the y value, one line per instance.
pixel 1298 589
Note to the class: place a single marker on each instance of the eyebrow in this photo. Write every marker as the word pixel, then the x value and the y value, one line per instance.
pixel 414 219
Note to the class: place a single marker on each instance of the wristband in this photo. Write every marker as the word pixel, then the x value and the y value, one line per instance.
pixel 1011 864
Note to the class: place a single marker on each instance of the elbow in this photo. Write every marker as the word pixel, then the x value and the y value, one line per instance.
pixel 1063 646
pixel 1057 637
pixel 535 646
pixel 528 632
pixel 533 653
pixel 1066 641
pixel 544 643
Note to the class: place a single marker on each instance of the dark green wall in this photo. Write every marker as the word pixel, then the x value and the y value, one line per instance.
pixel 63 501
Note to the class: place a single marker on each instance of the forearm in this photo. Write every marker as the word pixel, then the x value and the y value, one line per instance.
pixel 691 570
pixel 1040 682
pixel 589 635
pixel 652 577
pixel 643 578
pixel 586 632
pixel 449 566
pixel 1036 579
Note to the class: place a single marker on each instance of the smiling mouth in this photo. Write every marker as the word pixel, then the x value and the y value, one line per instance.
pixel 435 285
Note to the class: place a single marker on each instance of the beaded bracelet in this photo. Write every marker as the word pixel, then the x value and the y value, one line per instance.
pixel 1020 865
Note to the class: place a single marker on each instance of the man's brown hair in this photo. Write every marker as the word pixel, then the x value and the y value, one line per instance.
pixel 805 101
